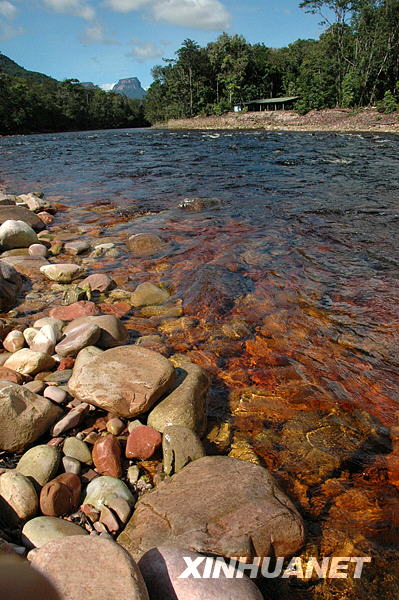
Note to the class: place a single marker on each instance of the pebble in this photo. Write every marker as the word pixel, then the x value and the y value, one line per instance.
pixel 115 426
pixel 38 250
pixel 55 394
pixel 28 362
pixel 145 244
pixel 133 424
pixel 107 456
pixel 44 341
pixel 29 334
pixel 108 519
pixel 101 491
pixel 71 465
pixel 20 501
pixel 62 272
pixel 56 324
pixel 40 464
pixel 113 331
pixel 41 530
pixel 14 341
pixel 77 449
pixel 36 387
pixel 133 474
pixel 76 310
pixel 77 247
pixel 143 442
pixel 71 419
pixel 66 364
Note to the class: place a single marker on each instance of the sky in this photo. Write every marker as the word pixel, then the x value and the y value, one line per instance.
pixel 106 40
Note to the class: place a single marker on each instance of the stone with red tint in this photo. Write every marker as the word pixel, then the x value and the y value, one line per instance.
pixel 61 495
pixel 83 308
pixel 98 282
pixel 66 363
pixel 107 456
pixel 7 374
pixel 119 309
pixel 143 442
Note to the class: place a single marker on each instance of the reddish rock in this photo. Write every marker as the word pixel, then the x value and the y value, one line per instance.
pixel 61 495
pixel 143 442
pixel 45 217
pixel 107 456
pixel 119 309
pixel 91 513
pixel 83 308
pixel 99 282
pixel 108 519
pixel 7 374
pixel 66 363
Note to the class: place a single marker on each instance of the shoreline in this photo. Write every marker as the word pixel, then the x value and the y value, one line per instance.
pixel 338 120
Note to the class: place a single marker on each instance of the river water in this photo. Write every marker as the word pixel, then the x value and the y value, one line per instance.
pixel 304 356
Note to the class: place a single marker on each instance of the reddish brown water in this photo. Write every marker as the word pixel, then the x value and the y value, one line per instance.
pixel 303 336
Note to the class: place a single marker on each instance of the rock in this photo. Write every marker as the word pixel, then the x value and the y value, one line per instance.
pixel 186 405
pixel 40 464
pixel 145 244
pixel 77 247
pixel 18 581
pixel 6 325
pixel 29 334
pixel 114 425
pixel 212 290
pixel 113 331
pixel 195 204
pixel 10 375
pixel 34 202
pixel 121 508
pixel 80 568
pixel 71 465
pixel 83 308
pixel 118 309
pixel 10 286
pixel 4 356
pixel 59 377
pixel 84 357
pixel 24 416
pixel 126 381
pixel 77 449
pixel 180 446
pixel 143 442
pixel 98 282
pixel 14 341
pixel 161 568
pixel 61 495
pixel 81 336
pixel 109 519
pixel 71 419
pixel 66 364
pixel 103 490
pixel 36 386
pixel 56 325
pixel 62 272
pixel 133 474
pixel 18 213
pixel 44 341
pixel 29 266
pixel 245 513
pixel 46 217
pixel 18 498
pixel 38 250
pixel 29 362
pixel 16 234
pixel 40 531
pixel 55 394
pixel 133 424
pixel 147 294
pixel 107 456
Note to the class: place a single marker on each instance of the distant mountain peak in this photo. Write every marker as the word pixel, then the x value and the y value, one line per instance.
pixel 130 87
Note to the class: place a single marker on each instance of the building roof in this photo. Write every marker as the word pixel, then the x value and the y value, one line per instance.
pixel 272 100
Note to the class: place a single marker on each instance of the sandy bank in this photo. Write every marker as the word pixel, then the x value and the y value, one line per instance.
pixel 336 119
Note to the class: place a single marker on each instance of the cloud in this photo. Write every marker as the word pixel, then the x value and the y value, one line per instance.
pixel 77 8
pixel 8 31
pixel 7 10
pixel 144 51
pixel 107 87
pixel 95 34
pixel 199 14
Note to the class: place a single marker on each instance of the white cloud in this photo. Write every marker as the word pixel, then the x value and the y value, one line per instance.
pixel 7 9
pixel 95 34
pixel 107 87
pixel 144 51
pixel 77 8
pixel 8 31
pixel 200 14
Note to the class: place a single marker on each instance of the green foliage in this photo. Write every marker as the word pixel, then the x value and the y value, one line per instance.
pixel 388 104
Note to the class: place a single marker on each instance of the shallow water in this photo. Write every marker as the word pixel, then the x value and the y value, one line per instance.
pixel 310 224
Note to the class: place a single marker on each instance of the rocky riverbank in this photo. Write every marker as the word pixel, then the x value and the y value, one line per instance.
pixel 101 441
pixel 335 119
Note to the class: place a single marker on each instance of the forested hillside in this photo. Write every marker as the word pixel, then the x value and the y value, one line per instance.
pixel 354 63
pixel 32 102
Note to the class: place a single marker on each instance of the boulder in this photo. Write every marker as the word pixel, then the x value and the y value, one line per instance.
pixel 10 286
pixel 40 531
pixel 113 332
pixel 19 213
pixel 29 266
pixel 145 244
pixel 245 513
pixel 180 446
pixel 16 234
pixel 18 498
pixel 62 272
pixel 161 568
pixel 40 464
pixel 92 568
pixel 126 381
pixel 24 416
pixel 29 362
pixel 186 404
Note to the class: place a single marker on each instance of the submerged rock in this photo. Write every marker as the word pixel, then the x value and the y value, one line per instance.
pixel 145 244
pixel 245 513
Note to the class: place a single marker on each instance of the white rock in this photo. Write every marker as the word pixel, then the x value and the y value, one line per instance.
pixel 16 234
pixel 42 343
pixel 19 495
pixel 103 490
pixel 28 362
pixel 55 324
pixel 14 341
pixel 30 334
pixel 62 272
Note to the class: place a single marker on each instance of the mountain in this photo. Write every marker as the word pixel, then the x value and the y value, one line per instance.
pixel 9 67
pixel 130 87
pixel 89 85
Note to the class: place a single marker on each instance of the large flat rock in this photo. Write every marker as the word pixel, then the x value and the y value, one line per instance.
pixel 126 380
pixel 217 505
pixel 19 213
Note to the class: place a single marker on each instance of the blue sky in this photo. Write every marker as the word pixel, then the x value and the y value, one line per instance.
pixel 106 40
